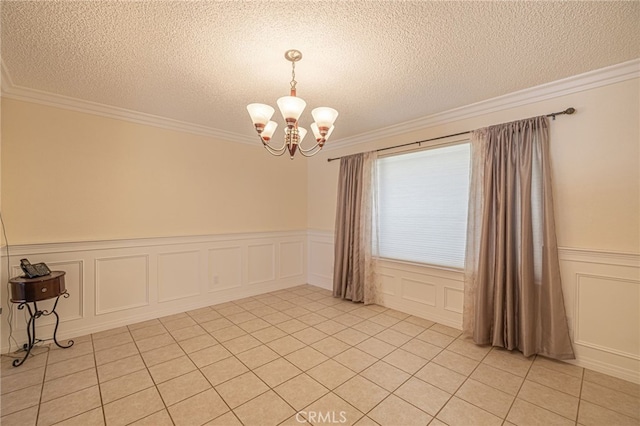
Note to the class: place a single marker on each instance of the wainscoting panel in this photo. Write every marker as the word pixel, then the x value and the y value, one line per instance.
pixel 178 275
pixel 120 282
pixel 262 259
pixel 292 259
pixel 320 261
pixel 602 299
pixel 225 266
pixel 424 291
pixel 419 291
pixel 453 299
pixel 73 307
pixel 616 332
pixel 388 284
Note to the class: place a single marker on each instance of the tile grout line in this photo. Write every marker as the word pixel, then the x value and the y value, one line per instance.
pixel 549 387
pixel 208 381
pixel 413 376
pixel 283 357
pixel 366 414
pixel 155 385
pixel 524 379
pixel 580 395
pixel 44 376
pixel 269 388
pixel 331 391
pixel 95 363
pixel 116 378
pixel 78 390
pixel 250 370
pixel 463 382
pixel 232 355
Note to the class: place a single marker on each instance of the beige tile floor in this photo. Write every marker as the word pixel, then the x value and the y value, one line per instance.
pixel 296 356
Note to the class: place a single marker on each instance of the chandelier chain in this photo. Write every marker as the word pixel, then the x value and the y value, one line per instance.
pixel 293 76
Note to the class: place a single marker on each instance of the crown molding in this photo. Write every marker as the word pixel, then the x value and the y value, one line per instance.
pixel 13 91
pixel 578 83
pixel 586 81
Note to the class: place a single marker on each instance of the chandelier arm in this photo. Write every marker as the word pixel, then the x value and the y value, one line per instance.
pixel 275 151
pixel 308 153
pixel 302 150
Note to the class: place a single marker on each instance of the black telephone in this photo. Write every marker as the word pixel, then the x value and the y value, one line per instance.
pixel 34 271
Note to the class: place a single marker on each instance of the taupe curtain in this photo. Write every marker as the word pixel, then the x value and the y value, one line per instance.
pixel 354 269
pixel 513 292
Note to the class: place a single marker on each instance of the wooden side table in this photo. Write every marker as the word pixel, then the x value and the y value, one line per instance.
pixel 32 290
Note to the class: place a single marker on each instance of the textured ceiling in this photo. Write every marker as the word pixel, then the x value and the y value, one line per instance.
pixel 377 63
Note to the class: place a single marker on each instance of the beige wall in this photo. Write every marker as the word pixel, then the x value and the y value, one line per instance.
pixel 70 176
pixel 596 166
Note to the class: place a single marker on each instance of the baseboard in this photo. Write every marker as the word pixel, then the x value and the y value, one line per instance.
pixel 607 368
pixel 321 282
pixel 422 314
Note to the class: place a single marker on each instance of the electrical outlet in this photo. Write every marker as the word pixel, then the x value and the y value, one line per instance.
pixel 215 279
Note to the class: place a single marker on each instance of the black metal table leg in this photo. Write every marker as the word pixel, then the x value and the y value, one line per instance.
pixel 31 327
pixel 55 330
pixel 30 337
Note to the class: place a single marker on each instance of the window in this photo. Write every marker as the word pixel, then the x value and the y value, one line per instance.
pixel 422 206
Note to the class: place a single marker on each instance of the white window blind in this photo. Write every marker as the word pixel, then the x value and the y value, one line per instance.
pixel 422 206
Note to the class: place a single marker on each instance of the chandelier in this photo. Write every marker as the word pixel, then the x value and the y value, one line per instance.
pixel 291 108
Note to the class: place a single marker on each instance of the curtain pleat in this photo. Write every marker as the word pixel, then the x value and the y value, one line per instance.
pixel 513 292
pixel 354 275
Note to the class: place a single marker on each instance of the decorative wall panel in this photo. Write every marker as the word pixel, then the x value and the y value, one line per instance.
pixel 320 260
pixel 387 284
pixel 261 263
pixel 178 275
pixel 291 259
pixel 121 283
pixel 453 299
pixel 225 268
pixel 418 291
pixel 618 331
pixel 602 300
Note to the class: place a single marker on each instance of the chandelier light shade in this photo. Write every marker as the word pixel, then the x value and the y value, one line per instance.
pixel 291 107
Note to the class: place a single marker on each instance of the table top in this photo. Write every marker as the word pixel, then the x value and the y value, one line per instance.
pixel 24 280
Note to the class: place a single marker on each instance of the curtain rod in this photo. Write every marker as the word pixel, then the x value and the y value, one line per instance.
pixel 568 111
